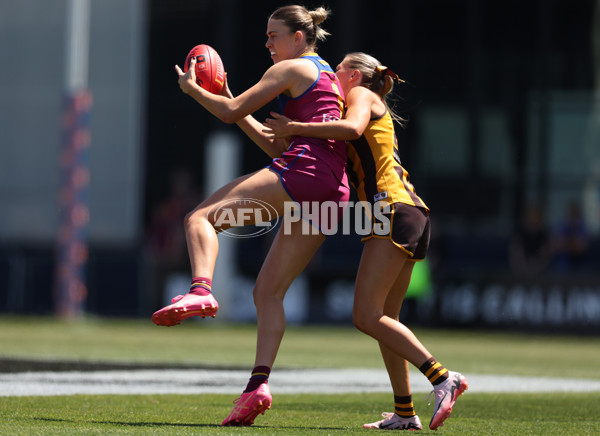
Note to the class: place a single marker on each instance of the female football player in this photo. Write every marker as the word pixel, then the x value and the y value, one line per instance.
pixel 388 256
pixel 305 170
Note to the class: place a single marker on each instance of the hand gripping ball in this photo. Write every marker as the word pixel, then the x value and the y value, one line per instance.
pixel 210 73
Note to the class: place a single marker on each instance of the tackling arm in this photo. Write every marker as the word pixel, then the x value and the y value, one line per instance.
pixel 352 126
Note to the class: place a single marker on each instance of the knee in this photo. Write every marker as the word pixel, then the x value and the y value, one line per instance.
pixel 193 221
pixel 266 296
pixel 362 320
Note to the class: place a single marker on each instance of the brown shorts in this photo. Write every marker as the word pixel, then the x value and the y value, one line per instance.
pixel 409 229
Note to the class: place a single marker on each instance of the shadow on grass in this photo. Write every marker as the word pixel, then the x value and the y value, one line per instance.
pixel 131 424
pixel 174 424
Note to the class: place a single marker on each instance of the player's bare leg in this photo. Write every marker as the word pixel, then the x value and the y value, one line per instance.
pixel 288 256
pixel 369 316
pixel 203 245
pixel 201 236
pixel 371 292
pixel 404 416
pixel 397 367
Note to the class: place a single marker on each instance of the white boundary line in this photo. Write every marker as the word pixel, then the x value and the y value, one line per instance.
pixel 284 381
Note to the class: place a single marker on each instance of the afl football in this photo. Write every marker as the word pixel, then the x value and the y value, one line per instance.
pixel 210 73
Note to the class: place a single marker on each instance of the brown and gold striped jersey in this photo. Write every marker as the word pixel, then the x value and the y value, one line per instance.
pixel 375 169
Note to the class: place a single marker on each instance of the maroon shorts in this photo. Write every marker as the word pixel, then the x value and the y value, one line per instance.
pixel 409 229
pixel 307 179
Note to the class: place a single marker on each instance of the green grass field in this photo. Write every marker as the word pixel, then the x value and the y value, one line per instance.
pixel 502 415
pixel 139 341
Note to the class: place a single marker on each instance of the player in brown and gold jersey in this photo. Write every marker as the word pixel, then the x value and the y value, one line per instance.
pixel 388 256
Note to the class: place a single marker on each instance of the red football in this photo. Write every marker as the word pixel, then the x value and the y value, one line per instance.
pixel 210 73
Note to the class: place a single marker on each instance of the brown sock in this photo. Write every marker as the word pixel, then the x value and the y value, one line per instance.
pixel 434 371
pixel 403 406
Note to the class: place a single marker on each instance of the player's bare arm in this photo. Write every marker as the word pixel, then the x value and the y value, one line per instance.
pixel 278 79
pixel 253 129
pixel 361 104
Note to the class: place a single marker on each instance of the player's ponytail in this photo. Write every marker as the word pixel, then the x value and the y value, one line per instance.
pixel 386 79
pixel 318 16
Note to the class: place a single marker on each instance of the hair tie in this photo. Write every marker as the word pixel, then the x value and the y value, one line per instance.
pixel 385 71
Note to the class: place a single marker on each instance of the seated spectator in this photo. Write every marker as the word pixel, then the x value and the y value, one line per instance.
pixel 530 249
pixel 572 239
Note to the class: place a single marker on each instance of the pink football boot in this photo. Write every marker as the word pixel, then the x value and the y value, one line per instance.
pixel 186 306
pixel 446 394
pixel 249 405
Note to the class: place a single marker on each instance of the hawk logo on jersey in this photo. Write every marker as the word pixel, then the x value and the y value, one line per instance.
pixel 380 196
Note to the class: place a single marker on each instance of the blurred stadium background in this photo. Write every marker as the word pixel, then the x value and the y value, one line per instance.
pixel 504 119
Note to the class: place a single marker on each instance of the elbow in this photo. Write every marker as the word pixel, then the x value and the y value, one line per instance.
pixel 228 113
pixel 354 134
pixel 228 118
